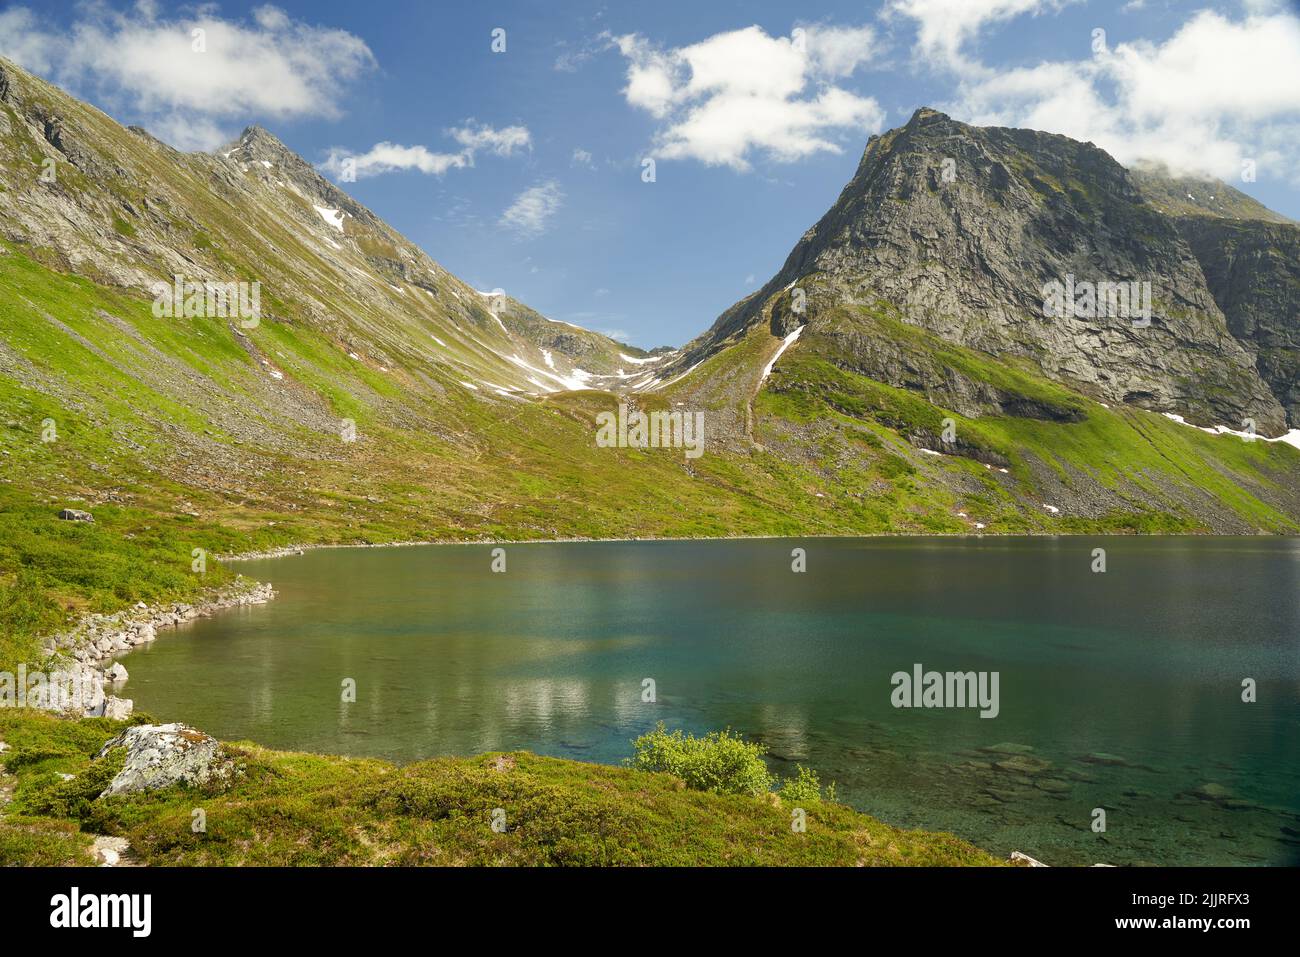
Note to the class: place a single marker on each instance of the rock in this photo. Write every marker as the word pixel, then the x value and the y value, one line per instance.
pixel 161 755
pixel 109 851
pixel 118 709
pixel 4 747
pixel 1022 764
pixel 76 515
pixel 116 673
pixel 72 688
pixel 1253 270
pixel 1105 760
pixel 1024 860
pixel 144 632
pixel 1008 747
pixel 1211 792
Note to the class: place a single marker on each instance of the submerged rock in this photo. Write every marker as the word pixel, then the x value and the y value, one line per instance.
pixel 1023 764
pixel 160 755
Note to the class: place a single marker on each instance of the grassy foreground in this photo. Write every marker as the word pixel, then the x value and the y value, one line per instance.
pixel 305 809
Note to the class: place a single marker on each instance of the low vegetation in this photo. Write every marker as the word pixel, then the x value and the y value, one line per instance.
pixel 304 809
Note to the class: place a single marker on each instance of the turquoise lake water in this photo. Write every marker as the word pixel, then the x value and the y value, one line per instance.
pixel 1120 691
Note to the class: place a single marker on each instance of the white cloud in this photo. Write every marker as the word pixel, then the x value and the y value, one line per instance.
pixel 269 66
pixel 1214 94
pixel 532 209
pixel 392 157
pixel 582 157
pixel 501 142
pixel 742 93
pixel 943 27
pixel 22 41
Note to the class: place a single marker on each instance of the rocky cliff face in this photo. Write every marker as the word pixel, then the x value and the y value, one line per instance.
pixel 959 230
pixel 1253 270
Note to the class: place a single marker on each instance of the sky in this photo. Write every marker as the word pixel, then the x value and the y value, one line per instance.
pixel 511 140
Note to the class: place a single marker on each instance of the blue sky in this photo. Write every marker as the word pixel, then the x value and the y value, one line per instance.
pixel 523 169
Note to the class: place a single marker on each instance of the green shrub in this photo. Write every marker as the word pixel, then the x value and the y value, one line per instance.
pixel 53 797
pixel 803 788
pixel 720 762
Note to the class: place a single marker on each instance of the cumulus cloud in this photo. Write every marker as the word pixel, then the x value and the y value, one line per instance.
pixel 392 157
pixel 530 214
pixel 187 75
pixel 743 93
pixel 1216 93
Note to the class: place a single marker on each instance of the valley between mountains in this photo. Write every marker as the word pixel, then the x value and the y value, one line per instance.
pixel 897 376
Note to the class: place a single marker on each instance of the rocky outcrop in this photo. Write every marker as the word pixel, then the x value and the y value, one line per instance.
pixel 162 755
pixel 80 666
pixel 1253 270
pixel 97 638
pixel 961 229
pixel 76 515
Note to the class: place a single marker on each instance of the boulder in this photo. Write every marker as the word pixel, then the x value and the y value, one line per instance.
pixel 116 673
pixel 118 709
pixel 145 632
pixel 160 755
pixel 76 515
pixel 1024 860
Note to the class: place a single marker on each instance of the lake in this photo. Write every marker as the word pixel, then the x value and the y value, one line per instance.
pixel 1119 690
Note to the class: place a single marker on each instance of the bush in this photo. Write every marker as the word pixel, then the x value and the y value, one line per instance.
pixel 803 788
pixel 720 762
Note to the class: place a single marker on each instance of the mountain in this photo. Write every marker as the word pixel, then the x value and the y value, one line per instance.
pixel 968 260
pixel 897 375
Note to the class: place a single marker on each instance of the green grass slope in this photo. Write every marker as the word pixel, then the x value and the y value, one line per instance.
pixel 304 809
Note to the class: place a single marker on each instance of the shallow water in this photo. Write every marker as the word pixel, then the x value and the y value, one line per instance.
pixel 1120 691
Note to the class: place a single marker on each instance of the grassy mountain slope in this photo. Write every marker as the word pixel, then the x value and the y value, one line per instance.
pixel 197 433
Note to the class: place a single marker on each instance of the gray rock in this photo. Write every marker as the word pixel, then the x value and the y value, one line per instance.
pixel 118 709
pixel 161 755
pixel 1024 860
pixel 116 673
pixel 76 515
pixel 968 259
pixel 109 851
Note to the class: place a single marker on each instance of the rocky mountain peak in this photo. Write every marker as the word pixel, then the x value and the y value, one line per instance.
pixel 960 229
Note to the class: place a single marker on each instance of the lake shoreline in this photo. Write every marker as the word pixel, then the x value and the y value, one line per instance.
pixel 286 551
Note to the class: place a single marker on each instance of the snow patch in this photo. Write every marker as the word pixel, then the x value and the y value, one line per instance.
pixel 333 217
pixel 788 341
pixel 1289 438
